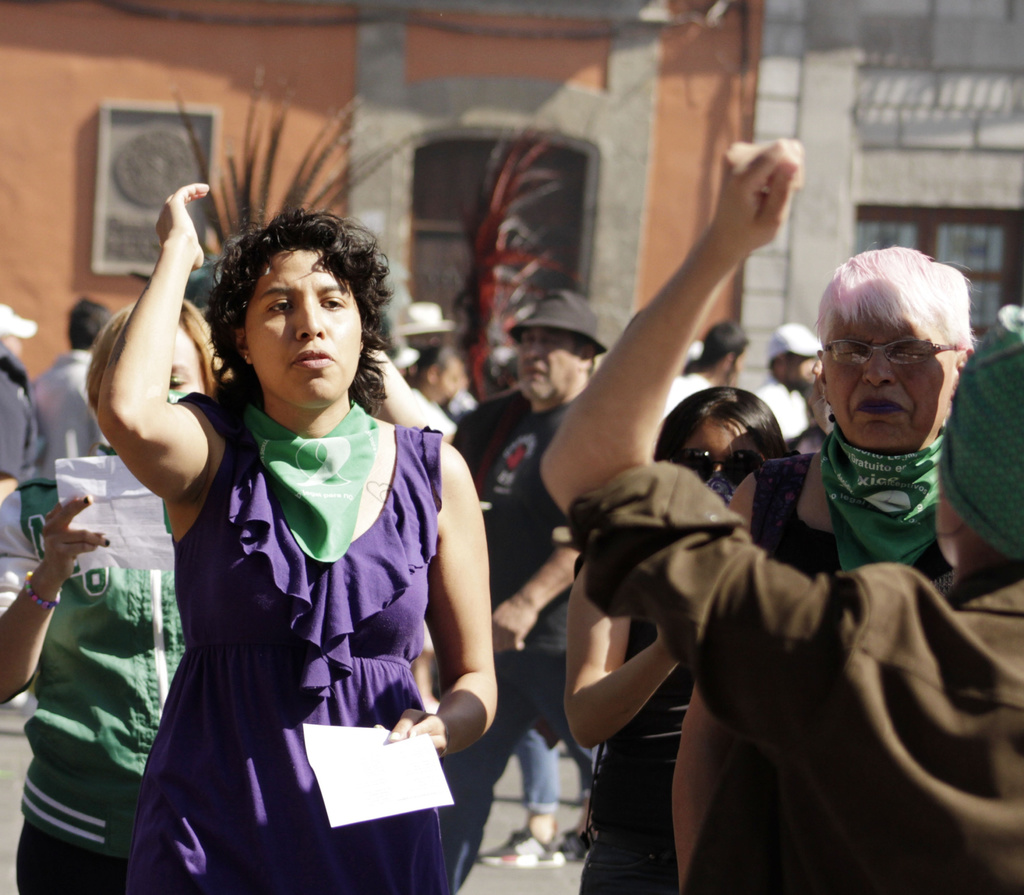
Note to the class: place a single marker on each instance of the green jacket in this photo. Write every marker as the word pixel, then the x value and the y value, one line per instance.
pixel 110 651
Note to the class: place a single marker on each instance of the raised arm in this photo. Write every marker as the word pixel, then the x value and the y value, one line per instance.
pixel 167 446
pixel 613 424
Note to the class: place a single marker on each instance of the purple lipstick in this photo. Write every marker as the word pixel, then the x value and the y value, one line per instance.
pixel 879 408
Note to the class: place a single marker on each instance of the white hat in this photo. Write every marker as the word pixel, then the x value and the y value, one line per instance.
pixel 421 317
pixel 793 338
pixel 13 325
pixel 404 356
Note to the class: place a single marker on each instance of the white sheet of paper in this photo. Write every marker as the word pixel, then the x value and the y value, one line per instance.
pixel 362 778
pixel 124 510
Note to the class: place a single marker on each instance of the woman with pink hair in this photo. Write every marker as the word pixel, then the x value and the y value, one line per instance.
pixel 895 331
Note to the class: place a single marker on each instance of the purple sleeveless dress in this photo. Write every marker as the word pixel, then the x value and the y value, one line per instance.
pixel 229 803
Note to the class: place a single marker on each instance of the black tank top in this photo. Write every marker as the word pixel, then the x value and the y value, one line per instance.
pixel 633 779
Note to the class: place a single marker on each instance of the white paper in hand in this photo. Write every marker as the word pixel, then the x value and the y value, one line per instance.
pixel 123 509
pixel 362 778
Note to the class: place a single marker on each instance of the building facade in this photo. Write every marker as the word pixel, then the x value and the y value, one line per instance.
pixel 912 116
pixel 637 100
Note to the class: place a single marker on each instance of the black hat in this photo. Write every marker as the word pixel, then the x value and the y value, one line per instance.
pixel 561 309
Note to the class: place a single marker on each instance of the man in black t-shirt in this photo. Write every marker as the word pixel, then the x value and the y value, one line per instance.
pixel 503 441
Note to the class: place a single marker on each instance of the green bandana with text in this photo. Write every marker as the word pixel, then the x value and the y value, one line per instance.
pixel 318 481
pixel 882 506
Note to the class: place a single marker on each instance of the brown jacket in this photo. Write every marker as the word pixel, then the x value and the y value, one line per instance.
pixel 893 717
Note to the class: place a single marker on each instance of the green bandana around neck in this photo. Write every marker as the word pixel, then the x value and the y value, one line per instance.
pixel 882 506
pixel 318 481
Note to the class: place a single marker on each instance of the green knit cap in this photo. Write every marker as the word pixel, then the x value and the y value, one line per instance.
pixel 980 468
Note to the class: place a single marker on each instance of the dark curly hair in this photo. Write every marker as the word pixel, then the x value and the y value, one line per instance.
pixel 348 251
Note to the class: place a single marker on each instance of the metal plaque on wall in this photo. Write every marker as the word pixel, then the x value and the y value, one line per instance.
pixel 145 154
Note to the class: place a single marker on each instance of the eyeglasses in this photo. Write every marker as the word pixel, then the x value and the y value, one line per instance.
pixel 902 351
pixel 736 467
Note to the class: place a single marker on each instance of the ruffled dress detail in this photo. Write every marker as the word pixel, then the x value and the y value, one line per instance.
pixel 326 624
pixel 275 639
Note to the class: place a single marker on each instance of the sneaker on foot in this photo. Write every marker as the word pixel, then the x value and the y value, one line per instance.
pixel 522 850
pixel 572 847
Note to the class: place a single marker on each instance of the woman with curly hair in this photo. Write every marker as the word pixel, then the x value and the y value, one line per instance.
pixel 311 541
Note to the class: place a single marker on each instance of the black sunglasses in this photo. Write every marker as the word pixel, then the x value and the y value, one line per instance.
pixel 736 467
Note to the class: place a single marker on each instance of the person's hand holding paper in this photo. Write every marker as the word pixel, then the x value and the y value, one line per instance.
pixel 363 776
pixel 125 511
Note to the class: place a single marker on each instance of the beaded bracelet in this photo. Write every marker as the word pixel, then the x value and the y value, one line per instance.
pixel 38 600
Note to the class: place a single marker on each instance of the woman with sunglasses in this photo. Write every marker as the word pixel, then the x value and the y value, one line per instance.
pixel 723 434
pixel 624 692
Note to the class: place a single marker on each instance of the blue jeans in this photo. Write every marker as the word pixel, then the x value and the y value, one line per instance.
pixel 539 765
pixel 531 685
pixel 610 870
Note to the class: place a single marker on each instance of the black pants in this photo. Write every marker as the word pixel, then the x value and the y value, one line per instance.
pixel 49 866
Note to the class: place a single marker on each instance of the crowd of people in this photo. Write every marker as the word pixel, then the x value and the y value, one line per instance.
pixel 778 633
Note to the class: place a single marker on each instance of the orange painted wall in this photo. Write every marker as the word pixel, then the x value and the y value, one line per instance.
pixel 705 102
pixel 59 61
pixel 433 53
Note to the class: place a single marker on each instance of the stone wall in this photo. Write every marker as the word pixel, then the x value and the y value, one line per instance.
pixel 898 102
